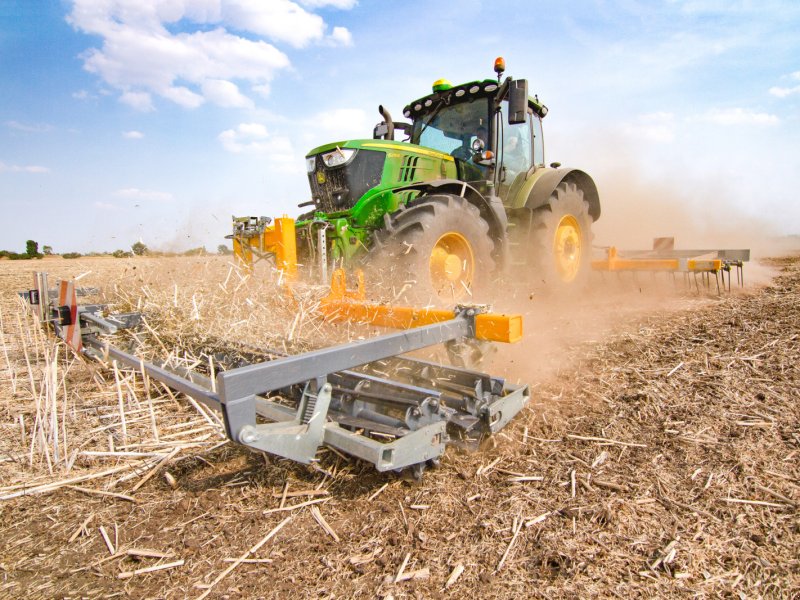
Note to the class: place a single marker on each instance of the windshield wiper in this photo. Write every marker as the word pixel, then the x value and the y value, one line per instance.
pixel 432 117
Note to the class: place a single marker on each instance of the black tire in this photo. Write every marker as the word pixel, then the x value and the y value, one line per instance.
pixel 435 250
pixel 554 242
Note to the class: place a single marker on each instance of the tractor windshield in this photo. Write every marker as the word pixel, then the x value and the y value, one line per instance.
pixel 452 129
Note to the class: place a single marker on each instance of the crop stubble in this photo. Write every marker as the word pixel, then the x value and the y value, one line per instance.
pixel 660 460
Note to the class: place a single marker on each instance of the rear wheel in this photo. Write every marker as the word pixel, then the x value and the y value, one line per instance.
pixel 435 250
pixel 553 242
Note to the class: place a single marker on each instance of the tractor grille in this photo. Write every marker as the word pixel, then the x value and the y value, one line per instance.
pixel 339 188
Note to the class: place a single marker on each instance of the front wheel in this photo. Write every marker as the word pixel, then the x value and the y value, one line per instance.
pixel 436 250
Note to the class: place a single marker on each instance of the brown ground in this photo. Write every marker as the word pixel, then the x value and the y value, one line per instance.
pixel 666 435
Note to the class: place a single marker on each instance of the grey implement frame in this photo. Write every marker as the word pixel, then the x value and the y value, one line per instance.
pixel 344 421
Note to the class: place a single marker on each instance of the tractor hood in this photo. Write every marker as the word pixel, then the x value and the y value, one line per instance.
pixel 379 145
pixel 341 173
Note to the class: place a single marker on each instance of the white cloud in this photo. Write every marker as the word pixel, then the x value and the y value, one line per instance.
pixel 280 20
pixel 140 101
pixel 141 57
pixel 247 137
pixel 253 129
pixel 105 206
pixel 35 169
pixel 132 135
pixel 341 37
pixel 660 127
pixel 225 94
pixel 29 127
pixel 183 96
pixel 253 138
pixel 139 194
pixel 344 123
pixel 783 92
pixel 262 89
pixel 655 127
pixel 340 4
pixel 738 116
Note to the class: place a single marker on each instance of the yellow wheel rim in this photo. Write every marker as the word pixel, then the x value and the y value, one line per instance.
pixel 568 248
pixel 452 264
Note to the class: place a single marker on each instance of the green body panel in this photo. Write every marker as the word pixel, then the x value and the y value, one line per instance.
pixel 349 231
pixel 521 194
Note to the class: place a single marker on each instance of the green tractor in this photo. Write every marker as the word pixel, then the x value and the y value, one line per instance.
pixel 465 198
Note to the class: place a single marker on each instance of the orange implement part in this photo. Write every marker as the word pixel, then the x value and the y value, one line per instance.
pixel 71 333
pixel 614 263
pixel 242 251
pixel 278 239
pixel 344 305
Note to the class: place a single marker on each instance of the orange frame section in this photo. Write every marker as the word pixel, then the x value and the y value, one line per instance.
pixel 614 263
pixel 345 305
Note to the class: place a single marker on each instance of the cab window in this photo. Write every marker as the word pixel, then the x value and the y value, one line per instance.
pixel 538 140
pixel 516 150
pixel 452 129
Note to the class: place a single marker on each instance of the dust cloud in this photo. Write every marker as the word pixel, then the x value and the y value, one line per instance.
pixel 699 215
pixel 562 329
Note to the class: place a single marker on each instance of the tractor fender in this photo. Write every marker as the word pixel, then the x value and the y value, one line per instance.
pixel 541 187
pixel 492 209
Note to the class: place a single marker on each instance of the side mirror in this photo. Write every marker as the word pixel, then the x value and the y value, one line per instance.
pixel 518 102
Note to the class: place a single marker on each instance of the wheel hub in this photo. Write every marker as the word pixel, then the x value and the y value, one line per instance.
pixel 568 248
pixel 452 262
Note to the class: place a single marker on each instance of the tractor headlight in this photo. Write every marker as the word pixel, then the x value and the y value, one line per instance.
pixel 338 157
pixel 311 163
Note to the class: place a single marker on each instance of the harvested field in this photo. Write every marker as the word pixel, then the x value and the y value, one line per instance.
pixel 659 457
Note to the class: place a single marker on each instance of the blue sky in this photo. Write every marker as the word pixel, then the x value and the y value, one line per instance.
pixel 157 120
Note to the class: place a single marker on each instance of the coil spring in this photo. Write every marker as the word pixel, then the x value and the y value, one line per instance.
pixel 308 411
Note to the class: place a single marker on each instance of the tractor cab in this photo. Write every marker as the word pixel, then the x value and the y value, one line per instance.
pixel 492 130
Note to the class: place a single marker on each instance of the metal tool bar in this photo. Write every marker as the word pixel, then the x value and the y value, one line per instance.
pixel 368 423
pixel 742 255
pixel 365 384
pixel 432 372
pixel 440 390
pixel 379 397
pixel 411 450
pixel 277 374
pixel 176 382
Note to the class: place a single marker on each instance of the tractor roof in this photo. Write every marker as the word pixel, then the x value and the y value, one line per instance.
pixel 461 93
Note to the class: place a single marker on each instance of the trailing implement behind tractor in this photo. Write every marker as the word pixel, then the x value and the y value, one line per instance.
pixel 465 196
pixel 363 398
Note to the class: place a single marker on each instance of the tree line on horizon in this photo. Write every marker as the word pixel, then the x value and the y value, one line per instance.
pixel 137 249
